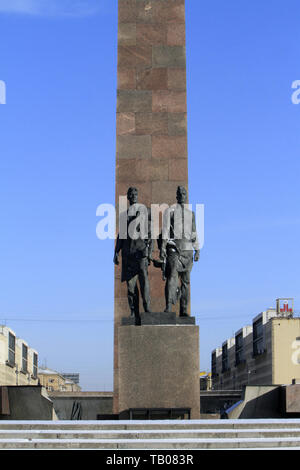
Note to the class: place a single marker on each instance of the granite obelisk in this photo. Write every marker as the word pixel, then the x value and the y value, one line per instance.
pixel 151 149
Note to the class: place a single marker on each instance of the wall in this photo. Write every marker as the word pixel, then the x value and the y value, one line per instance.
pixel 262 401
pixel 286 349
pixel 91 403
pixel 212 401
pixel 26 403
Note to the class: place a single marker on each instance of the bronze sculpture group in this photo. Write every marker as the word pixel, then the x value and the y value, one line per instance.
pixel 178 246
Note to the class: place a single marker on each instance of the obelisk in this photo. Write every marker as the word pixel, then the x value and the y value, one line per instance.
pixel 151 149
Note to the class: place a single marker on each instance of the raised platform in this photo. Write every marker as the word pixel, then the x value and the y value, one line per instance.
pixel 159 318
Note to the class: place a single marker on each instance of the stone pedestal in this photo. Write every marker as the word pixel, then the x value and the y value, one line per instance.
pixel 159 366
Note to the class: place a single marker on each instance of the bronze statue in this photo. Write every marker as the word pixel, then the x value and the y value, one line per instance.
pixel 136 256
pixel 178 243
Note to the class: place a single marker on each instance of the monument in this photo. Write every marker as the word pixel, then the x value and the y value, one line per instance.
pixel 156 344
pixel 136 257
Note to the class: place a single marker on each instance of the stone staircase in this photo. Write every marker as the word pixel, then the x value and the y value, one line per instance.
pixel 171 435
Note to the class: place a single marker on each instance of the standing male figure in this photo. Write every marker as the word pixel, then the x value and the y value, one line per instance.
pixel 179 241
pixel 136 255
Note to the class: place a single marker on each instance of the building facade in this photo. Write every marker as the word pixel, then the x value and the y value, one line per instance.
pixel 18 361
pixel 205 380
pixel 72 376
pixel 264 353
pixel 55 381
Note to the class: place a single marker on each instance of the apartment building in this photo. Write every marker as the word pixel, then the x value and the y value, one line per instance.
pixel 267 352
pixel 55 381
pixel 18 361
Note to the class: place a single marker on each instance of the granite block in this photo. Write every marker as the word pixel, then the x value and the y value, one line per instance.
pixel 176 34
pixel 144 11
pixel 168 56
pixel 169 101
pixel 127 79
pixel 177 124
pixel 177 79
pixel 169 11
pixel 125 123
pixel 169 146
pixel 134 101
pixel 134 56
pixel 151 34
pixel 127 34
pixel 152 79
pixel 126 11
pixel 142 170
pixel 292 398
pixel 159 367
pixel 133 146
pixel 178 169
pixel 152 123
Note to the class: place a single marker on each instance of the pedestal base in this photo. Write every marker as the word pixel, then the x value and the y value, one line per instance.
pixel 159 367
pixel 159 318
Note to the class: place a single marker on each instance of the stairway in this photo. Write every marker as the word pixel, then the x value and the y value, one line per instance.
pixel 175 435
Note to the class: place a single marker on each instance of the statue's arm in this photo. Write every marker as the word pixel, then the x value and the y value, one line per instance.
pixel 195 240
pixel 117 250
pixel 165 233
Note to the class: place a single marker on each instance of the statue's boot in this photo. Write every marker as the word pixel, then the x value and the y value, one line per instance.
pixel 168 308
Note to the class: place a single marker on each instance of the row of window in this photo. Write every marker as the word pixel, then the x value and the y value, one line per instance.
pixel 258 348
pixel 12 356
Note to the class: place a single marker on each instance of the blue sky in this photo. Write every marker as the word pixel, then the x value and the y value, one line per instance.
pixel 57 154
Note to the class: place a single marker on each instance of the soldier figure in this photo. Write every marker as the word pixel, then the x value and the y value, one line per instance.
pixel 178 243
pixel 136 257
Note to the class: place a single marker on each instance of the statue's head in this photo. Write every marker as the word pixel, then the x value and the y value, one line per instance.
pixel 132 195
pixel 181 195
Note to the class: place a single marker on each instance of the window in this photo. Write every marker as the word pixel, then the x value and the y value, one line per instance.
pixel 239 349
pixel 11 349
pixel 35 365
pixel 258 338
pixel 225 365
pixel 24 358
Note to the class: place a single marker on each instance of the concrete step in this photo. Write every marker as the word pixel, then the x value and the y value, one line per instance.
pixel 167 444
pixel 152 425
pixel 141 435
pixel 167 435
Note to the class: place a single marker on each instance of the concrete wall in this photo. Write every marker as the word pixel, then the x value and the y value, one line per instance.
pixel 258 402
pixel 212 401
pixel 91 404
pixel 291 399
pixel 26 403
